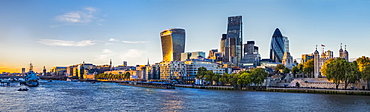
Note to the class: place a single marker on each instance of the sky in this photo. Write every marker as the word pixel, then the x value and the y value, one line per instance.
pixel 53 33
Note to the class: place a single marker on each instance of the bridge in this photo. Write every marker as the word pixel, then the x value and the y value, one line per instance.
pixel 41 77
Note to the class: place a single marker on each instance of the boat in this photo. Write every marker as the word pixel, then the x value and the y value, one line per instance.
pixel 31 79
pixel 160 85
pixel 23 89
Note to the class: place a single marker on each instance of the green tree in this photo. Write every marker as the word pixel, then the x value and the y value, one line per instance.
pixel 339 70
pixel 224 79
pixel 208 76
pixel 244 78
pixel 127 75
pixel 363 64
pixel 202 71
pixel 279 67
pixel 258 76
pixel 308 68
pixel 332 71
pixel 286 70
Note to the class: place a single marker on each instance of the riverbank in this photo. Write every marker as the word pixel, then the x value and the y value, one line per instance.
pixel 320 91
pixel 272 89
pixel 205 87
pixel 289 90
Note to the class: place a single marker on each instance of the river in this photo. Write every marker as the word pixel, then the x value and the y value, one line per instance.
pixel 85 96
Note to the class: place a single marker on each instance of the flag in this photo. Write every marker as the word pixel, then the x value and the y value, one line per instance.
pixel 322 45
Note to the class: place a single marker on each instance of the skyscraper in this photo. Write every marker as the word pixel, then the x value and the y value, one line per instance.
pixel 173 44
pixel 233 43
pixel 286 44
pixel 277 48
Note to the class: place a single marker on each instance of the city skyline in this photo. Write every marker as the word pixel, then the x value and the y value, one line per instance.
pixel 51 34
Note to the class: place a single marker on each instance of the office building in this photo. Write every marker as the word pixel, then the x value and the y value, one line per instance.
pixel 233 42
pixel 277 48
pixel 173 44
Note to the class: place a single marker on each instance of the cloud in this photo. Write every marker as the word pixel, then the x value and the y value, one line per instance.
pixel 132 53
pixel 112 39
pixel 107 51
pixel 85 16
pixel 52 42
pixel 134 42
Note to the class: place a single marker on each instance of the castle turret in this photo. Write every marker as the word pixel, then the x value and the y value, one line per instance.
pixel 341 53
pixel 345 54
pixel 316 60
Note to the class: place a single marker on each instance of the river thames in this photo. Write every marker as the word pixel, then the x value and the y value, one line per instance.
pixel 85 96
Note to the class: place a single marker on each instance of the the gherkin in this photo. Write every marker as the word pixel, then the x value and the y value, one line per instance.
pixel 277 48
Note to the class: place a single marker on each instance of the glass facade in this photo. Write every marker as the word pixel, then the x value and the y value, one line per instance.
pixel 173 44
pixel 277 47
pixel 234 39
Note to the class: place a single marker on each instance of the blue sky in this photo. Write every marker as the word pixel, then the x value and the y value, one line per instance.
pixel 50 33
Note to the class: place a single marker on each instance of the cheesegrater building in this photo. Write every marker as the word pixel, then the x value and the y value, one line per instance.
pixel 173 44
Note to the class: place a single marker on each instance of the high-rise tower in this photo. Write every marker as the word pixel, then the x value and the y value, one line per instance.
pixel 173 44
pixel 277 47
pixel 234 38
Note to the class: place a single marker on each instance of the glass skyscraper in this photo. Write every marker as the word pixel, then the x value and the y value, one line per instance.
pixel 233 43
pixel 277 48
pixel 173 44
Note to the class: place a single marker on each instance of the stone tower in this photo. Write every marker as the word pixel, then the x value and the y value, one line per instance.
pixel 316 59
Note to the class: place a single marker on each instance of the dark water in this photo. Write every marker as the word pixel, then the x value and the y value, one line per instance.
pixel 84 96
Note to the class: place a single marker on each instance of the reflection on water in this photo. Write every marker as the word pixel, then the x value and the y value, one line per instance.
pixel 81 96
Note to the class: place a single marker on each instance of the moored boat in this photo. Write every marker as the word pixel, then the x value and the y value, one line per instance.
pixel 31 79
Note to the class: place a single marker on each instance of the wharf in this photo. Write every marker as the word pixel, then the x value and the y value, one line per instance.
pixel 320 91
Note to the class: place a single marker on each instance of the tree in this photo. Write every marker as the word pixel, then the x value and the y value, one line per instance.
pixel 208 76
pixel 308 68
pixel 286 70
pixel 332 71
pixel 297 69
pixel 363 64
pixel 224 78
pixel 127 75
pixel 201 72
pixel 244 78
pixel 351 74
pixel 258 76
pixel 339 70
pixel 279 67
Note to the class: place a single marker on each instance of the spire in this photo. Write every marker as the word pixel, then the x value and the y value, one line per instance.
pixel 110 63
pixel 340 45
pixel 316 52
pixel 31 67
pixel 148 62
pixel 345 47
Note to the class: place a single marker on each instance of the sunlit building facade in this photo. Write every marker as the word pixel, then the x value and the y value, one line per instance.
pixel 173 44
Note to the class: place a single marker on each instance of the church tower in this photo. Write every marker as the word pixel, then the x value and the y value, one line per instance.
pixel 316 59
